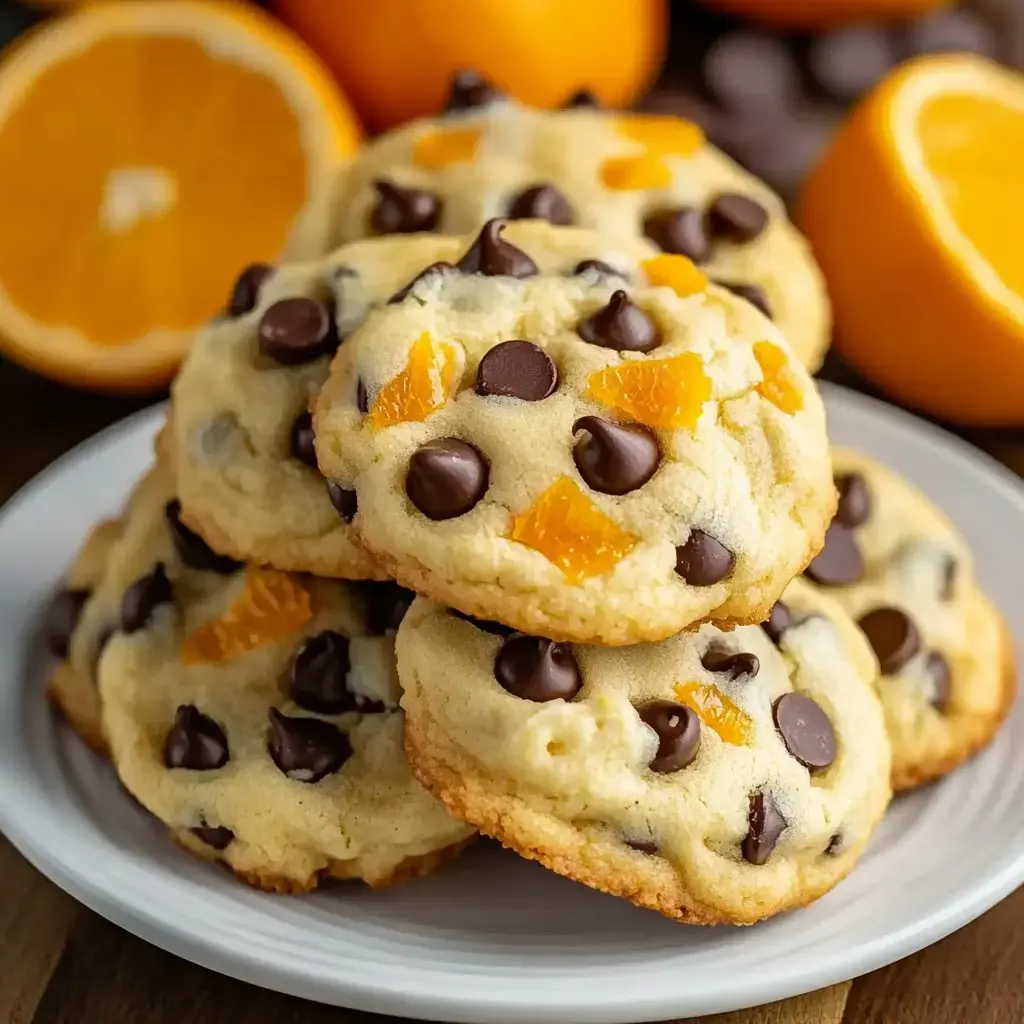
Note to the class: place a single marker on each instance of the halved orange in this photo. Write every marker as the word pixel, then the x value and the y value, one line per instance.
pixel 916 213
pixel 148 151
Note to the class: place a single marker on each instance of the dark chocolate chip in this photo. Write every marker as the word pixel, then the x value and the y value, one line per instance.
pixel 805 729
pixel 703 561
pixel 753 293
pixel 765 824
pixel 942 676
pixel 469 89
pixel 642 845
pixel 192 549
pixel 582 99
pixel 839 562
pixel 446 478
pixel 682 230
pixel 246 292
pixel 492 256
pixel 195 741
pixel 296 330
pixel 780 618
pixel 517 369
pixel 62 618
pixel 599 267
pixel 893 637
pixel 386 605
pixel 854 500
pixel 317 676
pixel 218 837
pixel 143 596
pixel 306 749
pixel 678 731
pixel 541 202
pixel 731 663
pixel 494 628
pixel 362 403
pixel 403 211
pixel 535 668
pixel 737 217
pixel 621 325
pixel 302 439
pixel 614 458
pixel 835 845
pixel 344 500
pixel 403 293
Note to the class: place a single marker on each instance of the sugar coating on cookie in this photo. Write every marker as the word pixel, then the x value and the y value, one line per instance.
pixel 715 777
pixel 623 174
pixel 599 455
pixel 902 571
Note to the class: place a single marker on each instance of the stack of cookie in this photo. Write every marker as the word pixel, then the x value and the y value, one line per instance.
pixel 602 467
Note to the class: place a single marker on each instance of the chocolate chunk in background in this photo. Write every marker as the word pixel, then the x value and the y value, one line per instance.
pixel 296 330
pixel 386 605
pixel 805 729
pixel 218 837
pixel 318 674
pixel 195 741
pixel 682 230
pixel 734 664
pixel 344 499
pixel 446 478
pixel 491 256
pixel 143 596
pixel 850 60
pixel 839 562
pixel 245 294
pixel 306 749
pixel 517 369
pixel 893 637
pixel 678 730
pixel 751 71
pixel 753 293
pixel 765 824
pixel 780 618
pixel 854 506
pixel 62 617
pixel 703 561
pixel 614 458
pixel 402 210
pixel 535 668
pixel 192 549
pixel 302 438
pixel 621 325
pixel 737 217
pixel 469 90
pixel 583 99
pixel 544 202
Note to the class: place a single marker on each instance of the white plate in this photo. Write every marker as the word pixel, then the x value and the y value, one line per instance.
pixel 495 939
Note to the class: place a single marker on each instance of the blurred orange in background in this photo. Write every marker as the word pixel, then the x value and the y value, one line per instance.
pixel 395 60
pixel 823 14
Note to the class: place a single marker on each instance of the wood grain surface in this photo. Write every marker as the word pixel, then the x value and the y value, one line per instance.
pixel 62 964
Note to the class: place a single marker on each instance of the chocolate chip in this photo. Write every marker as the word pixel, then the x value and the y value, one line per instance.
pixel 614 458
pixel 765 824
pixel 737 218
pixel 678 731
pixel 621 325
pixel 942 677
pixel 805 729
pixel 854 500
pixel 469 89
pixel 218 837
pixel 62 618
pixel 682 230
pixel 753 293
pixel 403 211
pixel 703 561
pixel 446 478
pixel 721 659
pixel 582 99
pixel 318 673
pixel 599 267
pixel 835 845
pixel 893 637
pixel 492 256
pixel 949 574
pixel 642 845
pixel 192 549
pixel 517 369
pixel 403 293
pixel 296 330
pixel 780 618
pixel 839 562
pixel 195 741
pixel 302 439
pixel 246 292
pixel 362 403
pixel 344 500
pixel 143 596
pixel 306 749
pixel 541 202
pixel 535 668
pixel 494 628
pixel 386 605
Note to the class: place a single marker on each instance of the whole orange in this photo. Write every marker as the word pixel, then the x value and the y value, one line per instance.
pixel 820 14
pixel 395 59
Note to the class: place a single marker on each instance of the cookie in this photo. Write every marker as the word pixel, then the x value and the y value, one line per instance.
pixel 901 570
pixel 715 777
pixel 626 175
pixel 242 436
pixel 585 455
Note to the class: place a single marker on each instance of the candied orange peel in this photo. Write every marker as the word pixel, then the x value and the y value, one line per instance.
pixel 656 392
pixel 272 606
pixel 421 388
pixel 777 385
pixel 675 272
pixel 629 173
pixel 662 133
pixel 717 712
pixel 445 146
pixel 569 530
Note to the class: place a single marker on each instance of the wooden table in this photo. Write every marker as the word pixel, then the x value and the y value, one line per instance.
pixel 61 964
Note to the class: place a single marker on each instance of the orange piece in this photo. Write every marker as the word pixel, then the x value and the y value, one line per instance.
pixel 823 14
pixel 657 392
pixel 272 606
pixel 675 272
pixel 568 529
pixel 440 148
pixel 149 151
pixel 926 275
pixel 420 389
pixel 662 133
pixel 628 173
pixel 395 58
pixel 777 385
pixel 717 711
